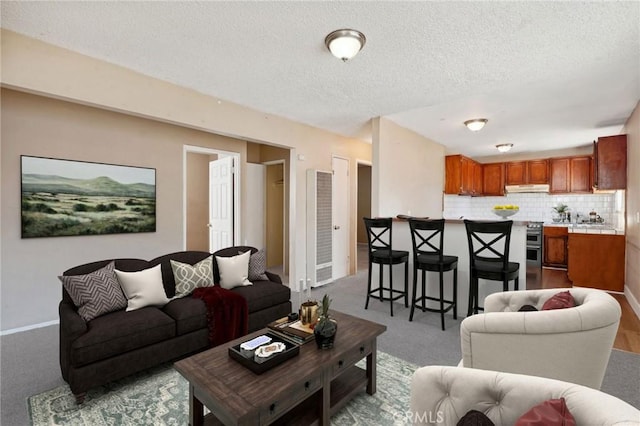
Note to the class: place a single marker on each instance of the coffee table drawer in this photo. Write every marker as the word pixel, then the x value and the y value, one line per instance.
pixel 290 398
pixel 350 357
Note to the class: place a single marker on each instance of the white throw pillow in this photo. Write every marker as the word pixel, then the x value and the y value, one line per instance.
pixel 143 288
pixel 234 271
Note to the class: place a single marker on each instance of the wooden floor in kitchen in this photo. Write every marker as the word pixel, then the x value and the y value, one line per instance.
pixel 628 337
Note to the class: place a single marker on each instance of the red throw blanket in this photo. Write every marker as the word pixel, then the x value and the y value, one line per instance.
pixel 227 313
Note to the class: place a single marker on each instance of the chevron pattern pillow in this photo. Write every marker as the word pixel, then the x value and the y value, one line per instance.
pixel 96 293
pixel 258 266
pixel 189 277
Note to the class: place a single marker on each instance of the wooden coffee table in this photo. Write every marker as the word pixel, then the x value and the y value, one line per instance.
pixel 306 389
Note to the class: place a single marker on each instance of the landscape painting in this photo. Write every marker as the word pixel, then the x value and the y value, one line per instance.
pixel 65 197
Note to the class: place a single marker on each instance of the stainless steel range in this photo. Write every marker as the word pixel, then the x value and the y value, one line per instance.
pixel 534 244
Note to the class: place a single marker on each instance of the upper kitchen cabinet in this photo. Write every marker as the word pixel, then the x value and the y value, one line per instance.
pixel 493 179
pixel 463 176
pixel 527 172
pixel 570 174
pixel 610 162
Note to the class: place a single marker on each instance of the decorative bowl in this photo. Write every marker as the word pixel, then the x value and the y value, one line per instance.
pixel 505 213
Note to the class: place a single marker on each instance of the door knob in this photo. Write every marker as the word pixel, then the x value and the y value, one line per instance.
pixel 209 225
pixel 336 227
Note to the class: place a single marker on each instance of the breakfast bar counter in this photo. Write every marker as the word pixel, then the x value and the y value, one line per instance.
pixel 455 244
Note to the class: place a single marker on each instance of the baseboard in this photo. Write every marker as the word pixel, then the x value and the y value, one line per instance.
pixel 28 327
pixel 632 301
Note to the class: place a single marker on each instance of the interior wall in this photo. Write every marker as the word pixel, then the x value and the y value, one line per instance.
pixel 254 226
pixel 364 200
pixel 632 129
pixel 84 80
pixel 198 200
pixel 38 126
pixel 408 172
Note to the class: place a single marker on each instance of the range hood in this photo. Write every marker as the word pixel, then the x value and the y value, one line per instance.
pixel 516 189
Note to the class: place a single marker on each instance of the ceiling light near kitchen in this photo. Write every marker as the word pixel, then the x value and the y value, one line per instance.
pixel 475 124
pixel 504 147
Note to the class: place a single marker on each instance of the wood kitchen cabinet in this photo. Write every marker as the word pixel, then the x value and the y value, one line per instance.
pixel 463 176
pixel 580 174
pixel 570 174
pixel 555 239
pixel 477 181
pixel 527 172
pixel 610 162
pixel 597 261
pixel 493 179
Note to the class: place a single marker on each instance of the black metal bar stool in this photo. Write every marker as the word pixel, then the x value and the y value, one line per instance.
pixel 381 252
pixel 489 257
pixel 427 237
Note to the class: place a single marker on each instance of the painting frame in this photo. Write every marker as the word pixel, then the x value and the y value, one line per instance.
pixel 63 198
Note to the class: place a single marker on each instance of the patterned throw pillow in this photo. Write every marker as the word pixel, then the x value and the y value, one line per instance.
pixel 189 277
pixel 258 266
pixel 561 300
pixel 96 293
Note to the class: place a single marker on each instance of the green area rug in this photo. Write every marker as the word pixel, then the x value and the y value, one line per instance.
pixel 161 397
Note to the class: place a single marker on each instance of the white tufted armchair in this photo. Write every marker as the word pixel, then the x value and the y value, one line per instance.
pixel 442 395
pixel 570 344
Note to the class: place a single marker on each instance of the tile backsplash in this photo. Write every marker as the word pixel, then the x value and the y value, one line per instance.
pixel 538 207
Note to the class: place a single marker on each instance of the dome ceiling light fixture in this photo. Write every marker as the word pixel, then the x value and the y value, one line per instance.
pixel 475 124
pixel 504 147
pixel 345 44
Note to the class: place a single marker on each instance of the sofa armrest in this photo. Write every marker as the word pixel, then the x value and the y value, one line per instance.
pixel 274 277
pixel 71 324
pixel 442 395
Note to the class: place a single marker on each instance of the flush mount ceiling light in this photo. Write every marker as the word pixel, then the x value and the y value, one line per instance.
pixel 475 124
pixel 345 44
pixel 504 147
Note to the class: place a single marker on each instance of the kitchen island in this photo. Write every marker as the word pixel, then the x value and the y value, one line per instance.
pixel 455 244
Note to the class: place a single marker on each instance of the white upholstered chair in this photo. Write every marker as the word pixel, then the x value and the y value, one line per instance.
pixel 442 395
pixel 572 344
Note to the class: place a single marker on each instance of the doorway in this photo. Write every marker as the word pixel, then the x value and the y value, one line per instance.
pixel 211 203
pixel 274 216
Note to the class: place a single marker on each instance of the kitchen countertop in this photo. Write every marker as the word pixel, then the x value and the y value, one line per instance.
pixel 404 218
pixel 587 228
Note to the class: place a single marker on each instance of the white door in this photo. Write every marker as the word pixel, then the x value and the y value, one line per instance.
pixel 340 216
pixel 220 204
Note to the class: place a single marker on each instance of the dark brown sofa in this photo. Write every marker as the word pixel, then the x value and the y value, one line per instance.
pixel 121 343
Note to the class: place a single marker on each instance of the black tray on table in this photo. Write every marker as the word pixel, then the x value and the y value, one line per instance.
pixel 292 349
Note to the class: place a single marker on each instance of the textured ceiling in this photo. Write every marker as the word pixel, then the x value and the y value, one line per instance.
pixel 547 75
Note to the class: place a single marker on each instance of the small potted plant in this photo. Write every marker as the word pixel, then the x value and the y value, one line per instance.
pixel 562 210
pixel 326 327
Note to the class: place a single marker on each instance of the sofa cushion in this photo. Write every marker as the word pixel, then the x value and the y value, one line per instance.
pixel 143 288
pixel 189 277
pixel 95 293
pixel 189 314
pixel 234 270
pixel 119 332
pixel 264 294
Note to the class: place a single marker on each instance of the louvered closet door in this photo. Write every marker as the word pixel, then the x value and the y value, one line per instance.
pixel 319 227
